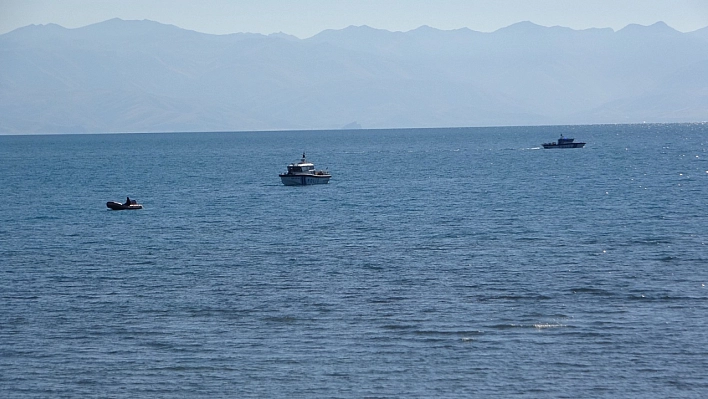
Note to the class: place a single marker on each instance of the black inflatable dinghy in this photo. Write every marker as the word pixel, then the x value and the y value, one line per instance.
pixel 117 206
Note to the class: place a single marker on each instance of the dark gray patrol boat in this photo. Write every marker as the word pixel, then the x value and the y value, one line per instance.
pixel 563 143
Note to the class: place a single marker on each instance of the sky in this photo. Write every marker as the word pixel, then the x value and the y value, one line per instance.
pixel 306 18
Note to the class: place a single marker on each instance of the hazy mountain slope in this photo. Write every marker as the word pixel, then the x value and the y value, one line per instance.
pixel 121 76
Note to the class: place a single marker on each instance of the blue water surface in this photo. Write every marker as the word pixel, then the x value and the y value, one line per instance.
pixel 447 263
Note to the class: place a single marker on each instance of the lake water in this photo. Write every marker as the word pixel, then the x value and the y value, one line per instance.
pixel 438 263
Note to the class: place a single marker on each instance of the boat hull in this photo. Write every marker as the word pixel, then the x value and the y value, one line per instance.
pixel 565 145
pixel 304 180
pixel 117 206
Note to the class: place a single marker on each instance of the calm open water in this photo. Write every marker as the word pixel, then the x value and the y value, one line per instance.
pixel 437 263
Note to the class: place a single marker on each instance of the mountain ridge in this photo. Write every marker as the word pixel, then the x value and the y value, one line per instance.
pixel 144 76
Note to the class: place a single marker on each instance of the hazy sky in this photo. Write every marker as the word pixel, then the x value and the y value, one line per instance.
pixel 305 18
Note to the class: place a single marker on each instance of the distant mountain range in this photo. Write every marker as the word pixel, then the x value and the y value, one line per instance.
pixel 143 76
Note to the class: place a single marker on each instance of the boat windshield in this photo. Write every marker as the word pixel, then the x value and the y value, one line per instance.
pixel 300 168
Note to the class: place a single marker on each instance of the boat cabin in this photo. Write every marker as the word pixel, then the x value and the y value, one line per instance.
pixel 301 168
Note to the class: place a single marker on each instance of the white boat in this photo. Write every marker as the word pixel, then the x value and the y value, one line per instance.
pixel 304 173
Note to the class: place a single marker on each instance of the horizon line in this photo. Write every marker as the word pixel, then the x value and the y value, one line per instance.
pixel 355 130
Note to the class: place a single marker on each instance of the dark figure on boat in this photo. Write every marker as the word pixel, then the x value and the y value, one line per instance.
pixel 127 201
